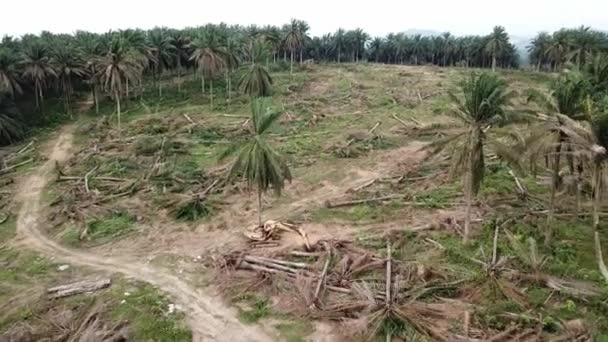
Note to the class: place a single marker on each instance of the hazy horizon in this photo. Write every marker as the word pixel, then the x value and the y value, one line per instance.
pixel 520 17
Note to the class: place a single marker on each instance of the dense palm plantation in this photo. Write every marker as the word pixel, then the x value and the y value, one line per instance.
pixel 113 65
pixel 573 47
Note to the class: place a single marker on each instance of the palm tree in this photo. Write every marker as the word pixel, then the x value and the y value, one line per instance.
pixel 180 42
pixel 480 106
pixel 91 49
pixel 584 44
pixel 558 48
pixel 232 61
pixel 120 65
pixel 9 73
pixel 11 128
pixel 38 69
pixel 339 43
pixel 303 29
pixel 447 42
pixel 538 49
pixel 257 162
pixel 163 52
pixel 209 57
pixel 566 100
pixel 67 64
pixel 497 43
pixel 255 80
pixel 293 40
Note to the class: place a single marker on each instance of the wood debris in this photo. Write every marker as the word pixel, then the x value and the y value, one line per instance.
pixel 78 287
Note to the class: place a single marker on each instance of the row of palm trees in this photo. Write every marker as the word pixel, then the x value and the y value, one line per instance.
pixel 578 46
pixel 492 50
pixel 569 127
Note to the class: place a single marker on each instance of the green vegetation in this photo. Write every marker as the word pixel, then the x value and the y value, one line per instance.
pixel 110 227
pixel 148 313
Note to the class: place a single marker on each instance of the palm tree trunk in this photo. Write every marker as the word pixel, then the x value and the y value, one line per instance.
pixel 259 208
pixel 227 84
pixel 597 197
pixel 211 91
pixel 179 75
pixel 493 63
pixel 127 87
pixel 95 99
pixel 554 186
pixel 37 96
pixel 160 88
pixel 291 64
pixel 301 57
pixel 203 84
pixel 117 96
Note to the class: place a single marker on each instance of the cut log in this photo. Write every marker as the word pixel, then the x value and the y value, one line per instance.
pixel 373 129
pixel 78 287
pixel 405 124
pixel 9 168
pixel 389 272
pixel 321 282
pixel 306 254
pixel 330 205
pixel 86 179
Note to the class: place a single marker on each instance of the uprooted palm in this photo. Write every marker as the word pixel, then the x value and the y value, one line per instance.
pixel 481 105
pixel 589 141
pixel 257 162
pixel 548 138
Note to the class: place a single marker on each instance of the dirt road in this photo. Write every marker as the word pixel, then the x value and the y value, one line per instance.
pixel 209 318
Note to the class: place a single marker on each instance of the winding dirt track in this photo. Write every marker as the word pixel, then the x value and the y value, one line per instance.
pixel 209 318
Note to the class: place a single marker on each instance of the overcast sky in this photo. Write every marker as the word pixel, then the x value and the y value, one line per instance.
pixel 377 17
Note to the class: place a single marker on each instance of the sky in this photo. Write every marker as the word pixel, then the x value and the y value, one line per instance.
pixel 377 17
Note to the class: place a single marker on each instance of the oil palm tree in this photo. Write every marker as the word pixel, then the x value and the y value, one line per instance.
pixel 303 29
pixel 181 43
pixel 37 67
pixel 121 65
pixel 339 43
pixel 538 49
pixel 293 40
pixel 91 48
pixel 209 57
pixel 481 105
pixel 257 162
pixel 232 61
pixel 163 52
pixel 67 64
pixel 11 127
pixel 497 43
pixel 9 73
pixel 255 80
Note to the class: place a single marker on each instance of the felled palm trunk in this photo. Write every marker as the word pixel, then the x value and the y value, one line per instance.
pixel 597 196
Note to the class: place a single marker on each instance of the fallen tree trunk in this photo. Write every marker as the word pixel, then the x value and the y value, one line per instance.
pixel 330 205
pixel 78 287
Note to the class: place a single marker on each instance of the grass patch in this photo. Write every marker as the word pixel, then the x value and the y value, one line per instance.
pixel 148 313
pixel 113 226
pixel 294 331
pixel 8 228
pixel 357 213
pixel 260 308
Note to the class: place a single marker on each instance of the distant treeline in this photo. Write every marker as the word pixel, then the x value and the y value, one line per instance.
pixel 35 67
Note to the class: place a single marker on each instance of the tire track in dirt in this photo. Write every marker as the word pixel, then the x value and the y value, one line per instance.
pixel 209 318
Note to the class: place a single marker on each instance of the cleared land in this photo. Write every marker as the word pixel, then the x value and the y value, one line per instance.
pixel 150 203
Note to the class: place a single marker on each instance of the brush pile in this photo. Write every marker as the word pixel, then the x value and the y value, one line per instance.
pixel 154 160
